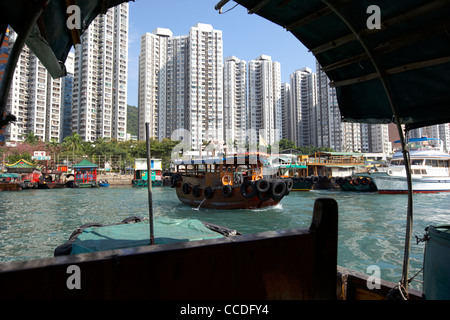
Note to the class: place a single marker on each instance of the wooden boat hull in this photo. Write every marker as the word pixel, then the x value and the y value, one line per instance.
pixel 51 185
pixel 301 185
pixel 10 187
pixel 217 200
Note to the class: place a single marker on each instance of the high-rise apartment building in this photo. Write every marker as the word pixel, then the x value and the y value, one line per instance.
pixel 34 98
pixel 264 99
pixel 328 121
pixel 205 85
pixel 153 69
pixel 66 97
pixel 187 84
pixel 287 126
pixel 235 101
pixel 99 107
pixel 303 102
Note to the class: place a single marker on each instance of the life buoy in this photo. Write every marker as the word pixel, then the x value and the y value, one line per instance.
pixel 196 191
pixel 227 190
pixel 262 185
pixel 365 181
pixel 186 188
pixel 278 189
pixel 208 192
pixel 264 196
pixel 174 180
pixel 289 184
pixel 226 179
pixel 244 188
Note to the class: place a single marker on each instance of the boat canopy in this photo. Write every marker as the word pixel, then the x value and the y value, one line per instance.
pixel 423 139
pixel 245 158
pixel 401 70
pixel 94 238
pixel 9 175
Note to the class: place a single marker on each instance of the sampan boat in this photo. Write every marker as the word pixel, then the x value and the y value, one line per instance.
pixel 228 183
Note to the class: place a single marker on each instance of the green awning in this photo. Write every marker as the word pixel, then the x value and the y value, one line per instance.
pixel 403 66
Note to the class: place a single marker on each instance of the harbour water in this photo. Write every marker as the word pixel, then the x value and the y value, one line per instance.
pixel 371 226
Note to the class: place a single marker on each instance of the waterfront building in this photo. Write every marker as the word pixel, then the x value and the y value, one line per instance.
pixel 181 84
pixel 153 70
pixel 66 97
pixel 99 107
pixel 287 114
pixel 379 139
pixel 303 103
pixel 205 83
pixel 34 98
pixel 235 101
pixel 264 99
pixel 328 121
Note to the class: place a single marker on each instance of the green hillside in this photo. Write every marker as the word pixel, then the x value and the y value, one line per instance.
pixel 132 120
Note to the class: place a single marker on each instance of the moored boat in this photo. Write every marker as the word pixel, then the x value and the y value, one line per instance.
pixel 294 167
pixel 11 182
pixel 227 183
pixel 359 184
pixel 103 183
pixel 51 179
pixel 430 170
pixel 141 174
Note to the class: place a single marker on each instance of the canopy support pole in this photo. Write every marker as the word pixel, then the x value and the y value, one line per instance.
pixel 149 183
pixel 381 75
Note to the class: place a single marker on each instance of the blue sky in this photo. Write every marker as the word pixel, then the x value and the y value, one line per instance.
pixel 244 36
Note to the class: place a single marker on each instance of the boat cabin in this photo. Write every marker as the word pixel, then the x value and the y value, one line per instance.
pixel 141 172
pixel 223 170
pixel 335 164
pixel 85 174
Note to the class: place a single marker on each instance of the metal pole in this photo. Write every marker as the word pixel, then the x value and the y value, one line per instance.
pixel 149 183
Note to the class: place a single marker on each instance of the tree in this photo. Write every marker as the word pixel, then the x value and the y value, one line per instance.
pixel 30 138
pixel 73 143
pixel 285 144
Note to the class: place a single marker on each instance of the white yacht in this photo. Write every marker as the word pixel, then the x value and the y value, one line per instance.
pixel 430 169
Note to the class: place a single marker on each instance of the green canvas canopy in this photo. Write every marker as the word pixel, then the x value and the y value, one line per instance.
pixel 135 232
pixel 402 68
